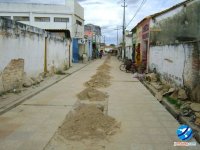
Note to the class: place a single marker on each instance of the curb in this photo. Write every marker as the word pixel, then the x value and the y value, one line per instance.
pixel 21 100
pixel 176 114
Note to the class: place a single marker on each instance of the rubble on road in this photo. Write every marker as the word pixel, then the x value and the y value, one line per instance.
pixel 196 93
pixel 98 83
pixel 157 86
pixel 182 94
pixel 151 77
pixel 101 74
pixel 86 122
pixel 90 120
pixel 27 82
pixel 104 67
pixel 177 96
pixel 195 107
pixel 92 94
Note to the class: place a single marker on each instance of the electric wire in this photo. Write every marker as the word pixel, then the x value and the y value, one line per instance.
pixel 139 8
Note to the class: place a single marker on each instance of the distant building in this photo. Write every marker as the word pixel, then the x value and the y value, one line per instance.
pixel 50 17
pixel 93 34
pixel 92 28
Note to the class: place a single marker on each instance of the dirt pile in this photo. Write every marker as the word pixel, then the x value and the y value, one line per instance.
pixel 105 67
pixel 98 83
pixel 101 79
pixel 92 95
pixel 101 74
pixel 86 122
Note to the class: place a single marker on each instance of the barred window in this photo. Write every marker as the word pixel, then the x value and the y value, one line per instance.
pixel 7 17
pixel 21 18
pixel 42 19
pixel 57 19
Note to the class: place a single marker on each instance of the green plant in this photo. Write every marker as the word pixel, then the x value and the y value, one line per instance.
pixel 174 102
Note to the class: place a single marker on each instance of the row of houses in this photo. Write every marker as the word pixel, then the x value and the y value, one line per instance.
pixel 169 42
pixel 42 38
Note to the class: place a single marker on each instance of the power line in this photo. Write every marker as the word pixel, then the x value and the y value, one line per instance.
pixel 141 5
pixel 114 28
pixel 111 29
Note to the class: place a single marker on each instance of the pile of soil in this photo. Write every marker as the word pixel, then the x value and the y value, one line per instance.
pixel 98 83
pixel 101 74
pixel 104 67
pixel 101 79
pixel 92 95
pixel 86 122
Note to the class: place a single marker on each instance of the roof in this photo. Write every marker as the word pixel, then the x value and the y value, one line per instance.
pixel 162 12
pixel 57 30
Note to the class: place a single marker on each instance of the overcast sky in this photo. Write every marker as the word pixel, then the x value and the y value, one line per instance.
pixel 108 14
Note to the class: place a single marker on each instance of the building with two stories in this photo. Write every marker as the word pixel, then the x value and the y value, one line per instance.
pixel 50 17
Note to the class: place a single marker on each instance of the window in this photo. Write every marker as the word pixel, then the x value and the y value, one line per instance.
pixel 7 17
pixel 78 22
pixel 42 19
pixel 21 18
pixel 56 19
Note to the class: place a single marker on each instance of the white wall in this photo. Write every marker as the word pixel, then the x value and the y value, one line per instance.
pixel 57 54
pixel 30 48
pixel 17 43
pixel 128 47
pixel 170 13
pixel 173 62
pixel 129 52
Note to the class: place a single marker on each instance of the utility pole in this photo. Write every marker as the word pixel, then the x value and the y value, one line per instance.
pixel 104 43
pixel 124 28
pixel 117 37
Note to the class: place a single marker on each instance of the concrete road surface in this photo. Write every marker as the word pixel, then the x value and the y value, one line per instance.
pixel 145 124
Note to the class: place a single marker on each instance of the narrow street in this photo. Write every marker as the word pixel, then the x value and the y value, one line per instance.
pixel 145 123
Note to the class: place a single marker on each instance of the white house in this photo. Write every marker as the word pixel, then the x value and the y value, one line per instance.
pixel 49 16
pixel 128 39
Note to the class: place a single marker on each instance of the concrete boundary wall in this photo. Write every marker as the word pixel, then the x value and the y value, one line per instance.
pixel 177 64
pixel 20 41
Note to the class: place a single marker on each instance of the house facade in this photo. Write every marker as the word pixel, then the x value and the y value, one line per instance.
pixel 172 38
pixel 49 17
pixel 141 33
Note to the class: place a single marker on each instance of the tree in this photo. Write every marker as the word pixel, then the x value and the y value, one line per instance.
pixel 112 44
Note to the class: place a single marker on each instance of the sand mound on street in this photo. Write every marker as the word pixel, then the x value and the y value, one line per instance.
pixel 86 122
pixel 104 67
pixel 92 95
pixel 101 74
pixel 100 80
pixel 98 83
